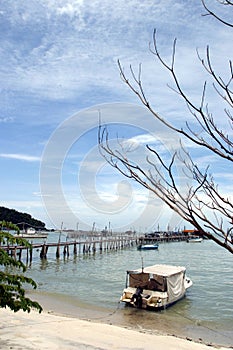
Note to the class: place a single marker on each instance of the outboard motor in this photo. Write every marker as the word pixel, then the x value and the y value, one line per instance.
pixel 137 297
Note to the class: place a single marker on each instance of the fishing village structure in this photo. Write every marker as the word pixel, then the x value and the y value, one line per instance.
pixel 77 243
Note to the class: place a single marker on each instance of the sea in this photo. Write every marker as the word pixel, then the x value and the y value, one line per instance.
pixel 89 286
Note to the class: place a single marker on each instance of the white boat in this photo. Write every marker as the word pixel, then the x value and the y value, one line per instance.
pixel 195 240
pixel 155 287
pixel 148 247
pixel 30 231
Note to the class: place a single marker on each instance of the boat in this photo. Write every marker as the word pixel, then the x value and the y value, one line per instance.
pixel 195 240
pixel 148 246
pixel 155 287
pixel 31 233
pixel 31 236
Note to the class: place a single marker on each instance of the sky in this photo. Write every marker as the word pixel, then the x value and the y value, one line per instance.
pixel 59 75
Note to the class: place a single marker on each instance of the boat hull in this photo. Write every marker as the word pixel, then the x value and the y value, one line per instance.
pixel 155 301
pixel 154 307
pixel 155 287
pixel 194 240
pixel 148 247
pixel 31 236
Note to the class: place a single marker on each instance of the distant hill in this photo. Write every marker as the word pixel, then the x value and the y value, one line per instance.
pixel 22 220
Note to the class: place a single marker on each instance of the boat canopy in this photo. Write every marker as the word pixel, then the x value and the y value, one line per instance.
pixel 160 278
pixel 160 270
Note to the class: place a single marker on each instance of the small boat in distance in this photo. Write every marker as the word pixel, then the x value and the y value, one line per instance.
pixel 148 247
pixel 31 233
pixel 195 240
pixel 155 287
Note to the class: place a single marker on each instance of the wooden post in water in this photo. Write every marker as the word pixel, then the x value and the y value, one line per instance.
pixel 43 252
pixel 27 257
pixel 75 248
pixel 15 253
pixel 20 254
pixel 58 251
pixel 30 255
pixel 64 251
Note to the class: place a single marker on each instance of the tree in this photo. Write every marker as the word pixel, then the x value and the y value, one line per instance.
pixel 12 293
pixel 22 220
pixel 203 204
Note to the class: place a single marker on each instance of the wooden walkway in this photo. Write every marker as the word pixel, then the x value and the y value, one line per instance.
pixel 85 245
pixel 164 239
pixel 66 248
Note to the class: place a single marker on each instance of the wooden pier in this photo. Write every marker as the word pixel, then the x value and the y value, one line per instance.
pixel 75 247
pixel 89 244
pixel 164 238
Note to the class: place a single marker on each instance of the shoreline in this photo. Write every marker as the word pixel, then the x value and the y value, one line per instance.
pixel 52 331
pixel 164 323
pixel 59 307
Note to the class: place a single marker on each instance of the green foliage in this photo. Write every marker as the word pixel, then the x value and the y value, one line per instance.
pixel 23 220
pixel 7 238
pixel 12 293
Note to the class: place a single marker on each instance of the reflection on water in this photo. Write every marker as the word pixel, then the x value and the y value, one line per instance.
pixel 95 282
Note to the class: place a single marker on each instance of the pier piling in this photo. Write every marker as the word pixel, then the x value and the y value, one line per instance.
pixel 86 245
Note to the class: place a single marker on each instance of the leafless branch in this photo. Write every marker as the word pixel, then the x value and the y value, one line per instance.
pixel 211 13
pixel 201 204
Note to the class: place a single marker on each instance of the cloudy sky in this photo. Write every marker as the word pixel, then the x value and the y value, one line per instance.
pixel 59 73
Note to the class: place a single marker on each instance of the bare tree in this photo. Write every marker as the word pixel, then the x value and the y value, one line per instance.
pixel 203 204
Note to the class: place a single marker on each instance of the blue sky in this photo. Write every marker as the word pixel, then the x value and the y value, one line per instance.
pixel 59 72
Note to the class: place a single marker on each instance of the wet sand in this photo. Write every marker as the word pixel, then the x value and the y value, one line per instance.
pixel 65 326
pixel 35 331
pixel 140 320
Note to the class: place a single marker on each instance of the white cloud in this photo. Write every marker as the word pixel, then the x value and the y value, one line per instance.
pixel 71 8
pixel 6 119
pixel 83 51
pixel 23 157
pixel 60 56
pixel 144 139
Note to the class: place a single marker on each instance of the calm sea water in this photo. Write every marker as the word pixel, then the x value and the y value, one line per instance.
pixel 95 282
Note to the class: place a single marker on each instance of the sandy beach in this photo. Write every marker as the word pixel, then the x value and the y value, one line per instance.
pixel 49 331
